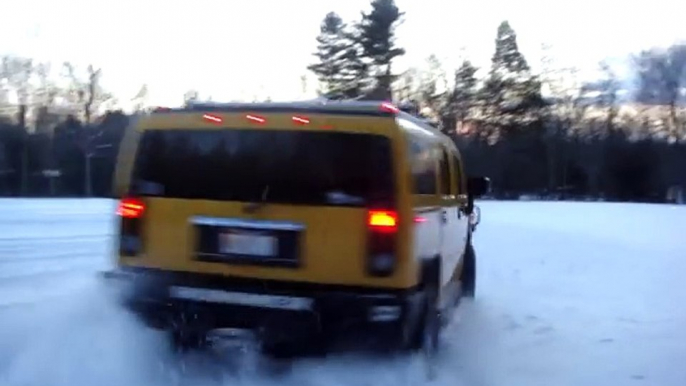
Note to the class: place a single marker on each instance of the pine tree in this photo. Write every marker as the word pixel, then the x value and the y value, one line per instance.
pixel 377 39
pixel 331 46
pixel 507 56
pixel 464 94
pixel 340 69
pixel 512 108
pixel 511 95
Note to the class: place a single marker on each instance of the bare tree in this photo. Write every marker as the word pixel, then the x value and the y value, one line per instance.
pixel 191 96
pixel 661 82
pixel 86 95
pixel 140 100
pixel 17 73
pixel 89 96
pixel 564 114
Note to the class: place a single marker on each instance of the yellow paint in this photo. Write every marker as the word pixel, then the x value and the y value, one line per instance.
pixel 334 244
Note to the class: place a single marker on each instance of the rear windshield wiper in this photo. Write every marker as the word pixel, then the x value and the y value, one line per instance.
pixel 342 198
pixel 253 207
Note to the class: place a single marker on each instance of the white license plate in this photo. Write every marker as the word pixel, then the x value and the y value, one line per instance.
pixel 245 244
pixel 241 298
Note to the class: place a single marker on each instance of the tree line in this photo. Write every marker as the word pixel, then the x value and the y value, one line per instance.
pixel 59 134
pixel 546 133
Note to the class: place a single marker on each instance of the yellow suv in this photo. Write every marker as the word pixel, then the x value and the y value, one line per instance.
pixel 302 222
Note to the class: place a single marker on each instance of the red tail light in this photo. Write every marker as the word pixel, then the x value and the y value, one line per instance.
pixel 389 108
pixel 131 211
pixel 382 220
pixel 131 208
pixel 383 229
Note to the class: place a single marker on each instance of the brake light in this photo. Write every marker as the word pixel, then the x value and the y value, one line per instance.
pixel 255 118
pixel 382 220
pixel 389 108
pixel 131 208
pixel 212 118
pixel 383 226
pixel 301 120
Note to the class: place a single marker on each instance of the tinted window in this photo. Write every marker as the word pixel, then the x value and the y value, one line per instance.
pixel 423 168
pixel 446 185
pixel 457 167
pixel 278 166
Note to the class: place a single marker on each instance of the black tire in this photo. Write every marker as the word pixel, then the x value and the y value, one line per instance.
pixel 425 338
pixel 468 276
pixel 431 325
pixel 431 333
pixel 185 340
pixel 428 324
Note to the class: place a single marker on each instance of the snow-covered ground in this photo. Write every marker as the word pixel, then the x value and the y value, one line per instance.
pixel 568 294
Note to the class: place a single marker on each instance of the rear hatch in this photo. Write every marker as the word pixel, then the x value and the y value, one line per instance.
pixel 265 203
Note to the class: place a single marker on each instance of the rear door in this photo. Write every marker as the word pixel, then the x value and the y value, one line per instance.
pixel 274 204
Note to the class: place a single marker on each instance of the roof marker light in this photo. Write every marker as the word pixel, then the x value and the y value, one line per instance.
pixel 301 120
pixel 255 118
pixel 212 118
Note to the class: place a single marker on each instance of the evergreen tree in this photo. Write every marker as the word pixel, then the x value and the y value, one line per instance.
pixel 340 69
pixel 511 95
pixel 507 57
pixel 377 39
pixel 330 49
pixel 464 94
pixel 512 108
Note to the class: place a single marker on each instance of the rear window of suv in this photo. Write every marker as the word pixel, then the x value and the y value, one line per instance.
pixel 274 166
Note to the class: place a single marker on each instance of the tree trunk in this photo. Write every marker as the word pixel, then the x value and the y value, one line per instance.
pixel 87 176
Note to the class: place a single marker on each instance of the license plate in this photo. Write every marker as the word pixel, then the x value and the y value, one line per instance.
pixel 241 298
pixel 247 244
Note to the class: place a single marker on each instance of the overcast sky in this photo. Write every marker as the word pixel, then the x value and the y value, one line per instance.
pixel 234 49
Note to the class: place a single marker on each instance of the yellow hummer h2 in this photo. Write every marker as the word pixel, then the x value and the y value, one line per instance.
pixel 303 222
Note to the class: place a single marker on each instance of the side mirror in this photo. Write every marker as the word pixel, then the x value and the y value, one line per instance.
pixel 478 186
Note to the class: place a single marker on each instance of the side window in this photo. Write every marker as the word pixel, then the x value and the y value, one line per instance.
pixel 446 181
pixel 459 177
pixel 423 168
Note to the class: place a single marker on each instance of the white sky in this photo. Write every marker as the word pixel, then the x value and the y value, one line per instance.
pixel 232 49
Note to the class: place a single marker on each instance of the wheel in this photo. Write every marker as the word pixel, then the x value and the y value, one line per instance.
pixel 430 333
pixel 426 335
pixel 468 275
pixel 185 340
pixel 431 324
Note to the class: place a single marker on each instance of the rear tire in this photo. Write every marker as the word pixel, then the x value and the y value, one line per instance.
pixel 183 341
pixel 468 276
pixel 426 333
pixel 430 333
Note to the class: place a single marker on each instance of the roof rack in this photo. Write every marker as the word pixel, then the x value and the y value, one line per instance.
pixel 321 105
pixel 318 105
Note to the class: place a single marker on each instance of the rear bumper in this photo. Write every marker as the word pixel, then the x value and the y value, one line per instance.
pixel 276 310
